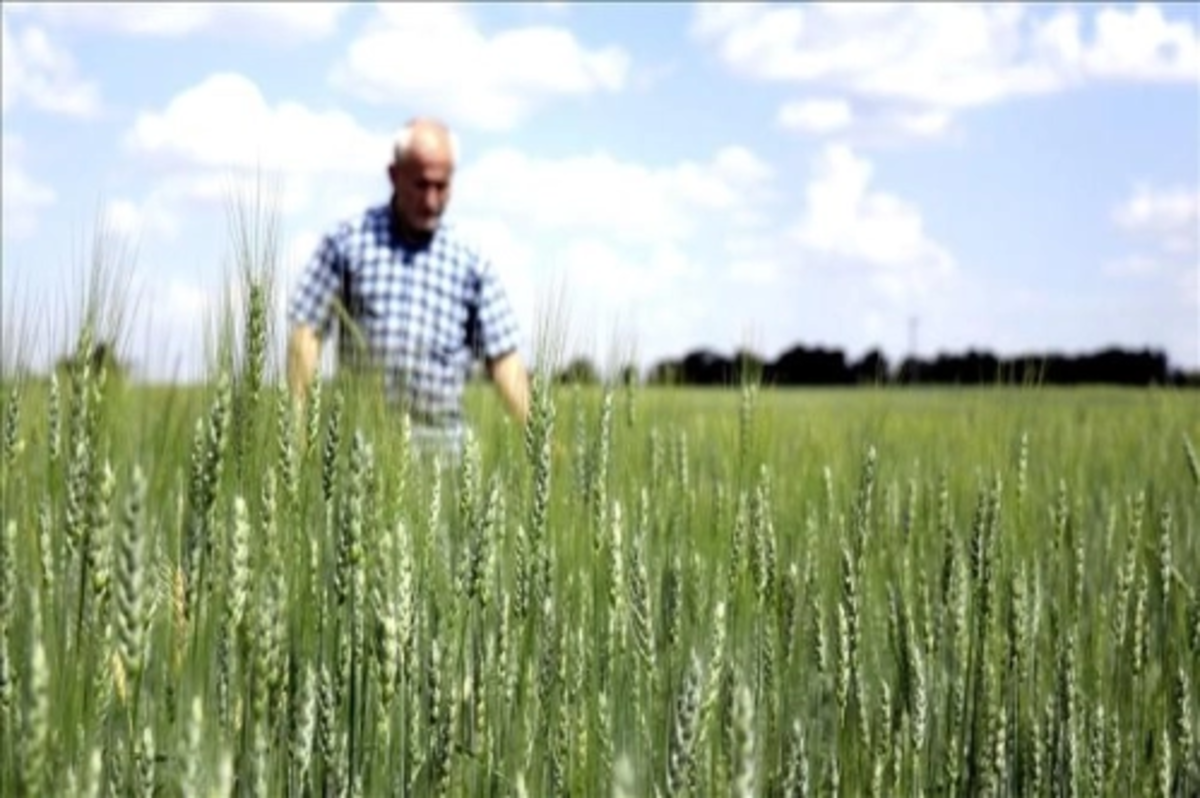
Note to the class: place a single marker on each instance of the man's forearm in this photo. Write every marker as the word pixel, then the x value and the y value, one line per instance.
pixel 512 381
pixel 304 350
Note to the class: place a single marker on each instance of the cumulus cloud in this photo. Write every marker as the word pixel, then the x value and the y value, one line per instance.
pixel 817 115
pixel 213 152
pixel 863 121
pixel 850 221
pixel 1165 221
pixel 1134 44
pixel 513 257
pixel 606 273
pixel 225 121
pixel 1168 215
pixel 24 196
pixel 286 22
pixel 634 245
pixel 601 194
pixel 222 139
pixel 646 249
pixel 657 250
pixel 39 73
pixel 921 123
pixel 931 61
pixel 437 57
pixel 130 221
pixel 1163 267
pixel 172 328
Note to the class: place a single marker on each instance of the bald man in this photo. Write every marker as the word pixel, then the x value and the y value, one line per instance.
pixel 424 303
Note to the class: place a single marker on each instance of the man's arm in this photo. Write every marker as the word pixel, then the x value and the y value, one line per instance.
pixel 511 379
pixel 304 352
pixel 308 312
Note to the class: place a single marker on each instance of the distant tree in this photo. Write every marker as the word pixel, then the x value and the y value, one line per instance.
pixel 666 372
pixel 803 366
pixel 872 369
pixel 705 367
pixel 628 374
pixel 909 371
pixel 748 366
pixel 103 356
pixel 579 371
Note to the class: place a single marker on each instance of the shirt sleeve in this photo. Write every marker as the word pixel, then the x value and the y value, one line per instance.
pixel 320 282
pixel 497 332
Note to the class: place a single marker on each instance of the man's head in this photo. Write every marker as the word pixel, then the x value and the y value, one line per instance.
pixel 421 170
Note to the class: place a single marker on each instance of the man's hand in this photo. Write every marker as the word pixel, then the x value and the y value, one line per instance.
pixel 511 379
pixel 304 351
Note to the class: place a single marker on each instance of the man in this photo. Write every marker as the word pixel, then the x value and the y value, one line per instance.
pixel 422 302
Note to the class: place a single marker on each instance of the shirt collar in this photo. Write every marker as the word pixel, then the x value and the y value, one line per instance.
pixel 398 240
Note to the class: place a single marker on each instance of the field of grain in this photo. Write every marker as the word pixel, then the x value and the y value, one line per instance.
pixel 648 592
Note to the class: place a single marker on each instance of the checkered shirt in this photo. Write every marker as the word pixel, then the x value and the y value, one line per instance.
pixel 424 314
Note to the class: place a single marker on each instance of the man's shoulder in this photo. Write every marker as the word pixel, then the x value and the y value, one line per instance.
pixel 461 246
pixel 367 221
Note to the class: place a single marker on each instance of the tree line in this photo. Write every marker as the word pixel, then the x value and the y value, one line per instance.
pixel 817 366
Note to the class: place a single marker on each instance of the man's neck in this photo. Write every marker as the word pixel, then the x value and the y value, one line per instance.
pixel 410 236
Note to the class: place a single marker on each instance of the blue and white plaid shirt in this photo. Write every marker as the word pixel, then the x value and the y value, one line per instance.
pixel 424 314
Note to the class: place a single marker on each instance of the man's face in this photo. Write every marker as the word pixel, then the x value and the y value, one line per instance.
pixel 422 187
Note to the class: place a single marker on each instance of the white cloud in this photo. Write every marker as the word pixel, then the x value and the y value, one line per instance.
pixel 39 73
pixel 182 299
pixel 225 122
pixel 24 196
pixel 639 249
pixel 513 258
pixel 654 249
pixel 1189 289
pixel 620 237
pixel 946 57
pixel 173 203
pixel 1133 266
pixel 172 327
pixel 123 217
pixel 863 122
pixel 927 123
pixel 599 194
pixel 848 220
pixel 297 252
pixel 608 273
pixel 1170 216
pixel 741 166
pixel 287 22
pixel 140 220
pixel 436 57
pixel 1167 220
pixel 952 55
pixel 625 291
pixel 221 139
pixel 756 272
pixel 1141 44
pixel 818 115
pixel 215 144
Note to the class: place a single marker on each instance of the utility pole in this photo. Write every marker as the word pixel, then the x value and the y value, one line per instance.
pixel 913 323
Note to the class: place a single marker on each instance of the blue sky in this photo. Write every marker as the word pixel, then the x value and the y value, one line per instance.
pixel 1015 177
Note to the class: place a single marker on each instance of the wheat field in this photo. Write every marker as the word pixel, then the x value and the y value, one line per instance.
pixel 647 592
pixel 207 591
